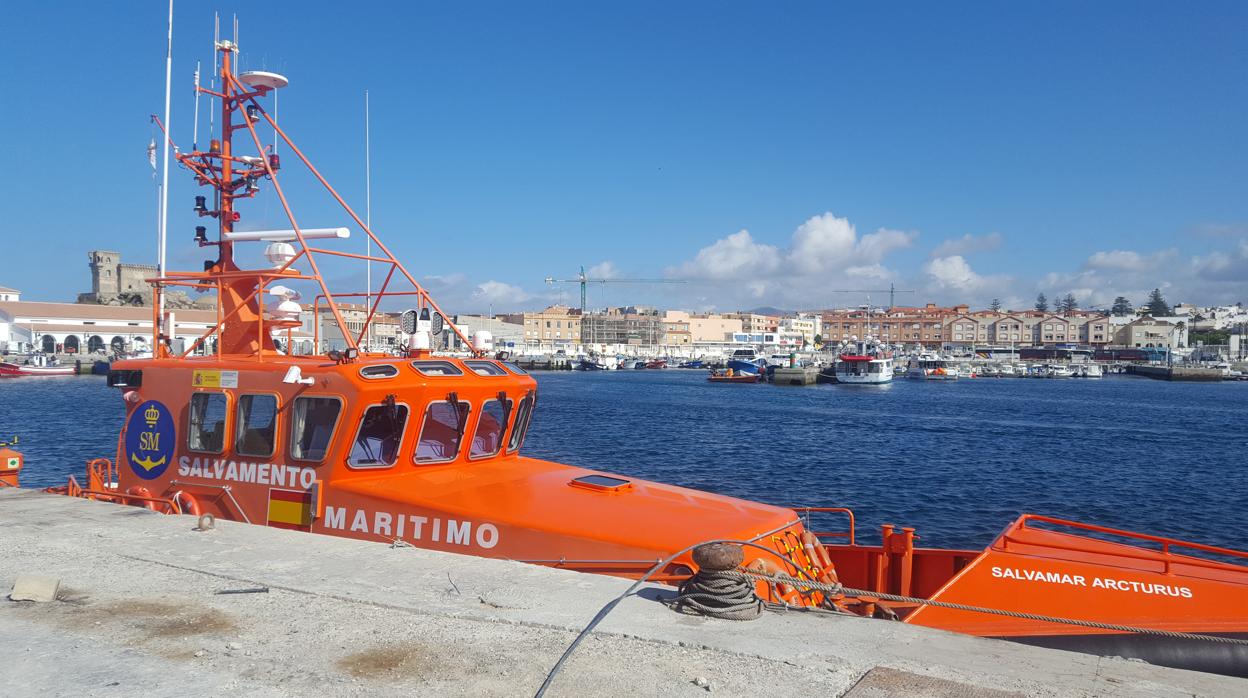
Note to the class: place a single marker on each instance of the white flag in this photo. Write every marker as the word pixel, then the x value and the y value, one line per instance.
pixel 151 154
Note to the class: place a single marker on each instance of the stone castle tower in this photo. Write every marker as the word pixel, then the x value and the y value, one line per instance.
pixel 114 282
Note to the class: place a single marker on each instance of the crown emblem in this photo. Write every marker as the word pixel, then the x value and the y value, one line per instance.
pixel 152 415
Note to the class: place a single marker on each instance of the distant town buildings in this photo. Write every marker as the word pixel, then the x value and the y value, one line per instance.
pixel 110 318
pixel 77 328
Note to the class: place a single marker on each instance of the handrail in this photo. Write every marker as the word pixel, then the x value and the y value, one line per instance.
pixel 1164 556
pixel 850 534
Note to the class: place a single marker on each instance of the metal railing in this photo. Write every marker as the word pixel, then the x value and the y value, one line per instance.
pixel 849 535
pixel 1163 556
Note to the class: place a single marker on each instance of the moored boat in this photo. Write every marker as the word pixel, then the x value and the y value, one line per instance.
pixel 868 364
pixel 37 366
pixel 730 376
pixel 928 366
pixel 427 449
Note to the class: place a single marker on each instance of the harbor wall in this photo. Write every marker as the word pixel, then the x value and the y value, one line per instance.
pixel 1175 373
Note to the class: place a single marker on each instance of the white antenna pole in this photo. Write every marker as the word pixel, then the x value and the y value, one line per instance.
pixel 195 131
pixel 212 79
pixel 368 216
pixel 164 185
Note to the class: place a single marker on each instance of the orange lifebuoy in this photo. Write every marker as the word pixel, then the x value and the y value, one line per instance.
pixel 185 503
pixel 141 492
pixel 818 555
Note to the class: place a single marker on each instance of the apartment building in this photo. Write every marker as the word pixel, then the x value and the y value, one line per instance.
pixel 557 324
pixel 1147 332
pixel 706 328
pixel 805 326
pixel 638 326
pixel 901 325
pixel 753 323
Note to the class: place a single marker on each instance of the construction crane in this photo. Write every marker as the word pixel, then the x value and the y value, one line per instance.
pixel 584 281
pixel 892 292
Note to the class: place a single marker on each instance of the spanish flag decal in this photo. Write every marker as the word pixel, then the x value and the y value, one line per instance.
pixel 290 509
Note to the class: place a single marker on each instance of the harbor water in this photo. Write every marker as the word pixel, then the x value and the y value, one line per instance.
pixel 957 460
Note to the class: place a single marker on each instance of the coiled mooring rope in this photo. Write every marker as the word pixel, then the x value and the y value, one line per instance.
pixel 719 594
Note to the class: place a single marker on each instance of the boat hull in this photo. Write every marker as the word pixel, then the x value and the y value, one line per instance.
pixel 739 366
pixel 11 370
pixel 1053 572
pixel 740 378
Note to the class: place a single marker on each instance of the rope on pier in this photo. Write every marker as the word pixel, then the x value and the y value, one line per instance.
pixel 839 589
pixel 725 595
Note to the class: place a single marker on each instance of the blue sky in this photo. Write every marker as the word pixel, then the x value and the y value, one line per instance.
pixel 765 153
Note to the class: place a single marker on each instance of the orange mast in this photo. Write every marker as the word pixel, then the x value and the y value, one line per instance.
pixel 240 329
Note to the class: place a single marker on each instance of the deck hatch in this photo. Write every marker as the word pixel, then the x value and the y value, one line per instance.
pixel 436 368
pixel 379 371
pixel 602 483
pixel 485 368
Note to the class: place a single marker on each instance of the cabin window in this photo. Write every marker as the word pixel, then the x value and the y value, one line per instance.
pixel 437 368
pixel 515 368
pixel 441 432
pixel 312 425
pixel 257 425
pixel 207 423
pixel 485 368
pixel 521 425
pixel 379 371
pixel 381 433
pixel 487 439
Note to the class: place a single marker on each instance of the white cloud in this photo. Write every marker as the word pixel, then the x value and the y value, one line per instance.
pixel 499 293
pixel 602 270
pixel 824 252
pixel 827 243
pixel 1128 260
pixel 953 272
pixel 733 257
pixel 967 244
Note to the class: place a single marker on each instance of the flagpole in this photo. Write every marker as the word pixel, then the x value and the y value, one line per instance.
pixel 164 186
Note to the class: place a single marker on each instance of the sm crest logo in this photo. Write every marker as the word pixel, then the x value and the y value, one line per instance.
pixel 150 437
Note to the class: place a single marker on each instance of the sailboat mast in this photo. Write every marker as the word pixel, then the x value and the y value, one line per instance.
pixel 164 181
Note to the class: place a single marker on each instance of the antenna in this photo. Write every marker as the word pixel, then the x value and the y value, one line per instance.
pixel 212 81
pixel 368 217
pixel 195 131
pixel 164 182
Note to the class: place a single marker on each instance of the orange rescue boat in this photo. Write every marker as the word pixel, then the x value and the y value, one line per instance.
pixel 426 449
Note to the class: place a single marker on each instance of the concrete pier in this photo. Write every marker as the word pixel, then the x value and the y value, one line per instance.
pixel 141 612
pixel 1175 373
pixel 798 375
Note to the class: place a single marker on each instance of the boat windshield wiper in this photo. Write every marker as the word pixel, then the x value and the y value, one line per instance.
pixel 461 419
pixel 502 399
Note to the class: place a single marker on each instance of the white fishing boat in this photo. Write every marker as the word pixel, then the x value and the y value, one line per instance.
pixel 929 366
pixel 1059 371
pixel 866 364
